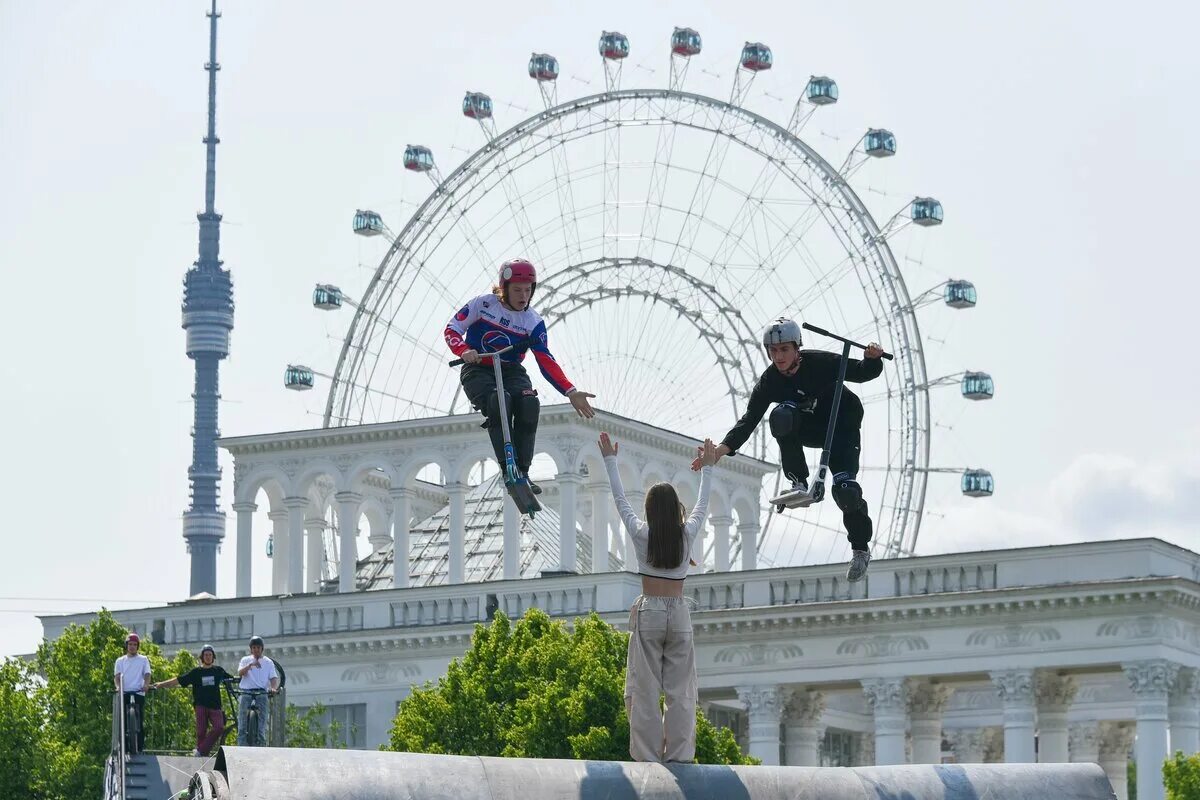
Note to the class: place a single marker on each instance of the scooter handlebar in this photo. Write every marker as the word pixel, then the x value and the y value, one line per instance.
pixel 500 352
pixel 850 342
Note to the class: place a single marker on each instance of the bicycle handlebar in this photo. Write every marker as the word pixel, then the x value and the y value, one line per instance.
pixel 842 339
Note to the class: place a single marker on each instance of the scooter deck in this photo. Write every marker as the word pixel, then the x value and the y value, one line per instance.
pixel 794 499
pixel 524 498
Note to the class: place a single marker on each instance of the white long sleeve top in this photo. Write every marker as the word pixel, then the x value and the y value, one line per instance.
pixel 639 530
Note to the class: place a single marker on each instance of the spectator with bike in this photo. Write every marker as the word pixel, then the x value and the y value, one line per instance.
pixel 131 677
pixel 259 681
pixel 205 683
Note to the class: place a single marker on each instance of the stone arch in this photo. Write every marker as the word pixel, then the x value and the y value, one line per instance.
pixel 246 489
pixel 313 469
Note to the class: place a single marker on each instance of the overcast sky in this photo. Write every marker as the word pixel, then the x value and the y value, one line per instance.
pixel 1062 142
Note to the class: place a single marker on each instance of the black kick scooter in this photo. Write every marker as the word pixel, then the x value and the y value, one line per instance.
pixel 816 492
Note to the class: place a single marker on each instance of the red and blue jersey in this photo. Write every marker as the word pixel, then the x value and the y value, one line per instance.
pixel 485 325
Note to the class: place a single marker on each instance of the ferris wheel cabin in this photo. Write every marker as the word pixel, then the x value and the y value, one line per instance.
pixel 977 483
pixel 879 143
pixel 613 45
pixel 926 211
pixel 960 294
pixel 543 67
pixel 685 42
pixel 821 91
pixel 327 297
pixel 756 57
pixel 298 377
pixel 418 158
pixel 367 223
pixel 477 105
pixel 978 386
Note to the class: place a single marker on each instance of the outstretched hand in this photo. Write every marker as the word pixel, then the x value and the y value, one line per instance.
pixel 708 454
pixel 607 446
pixel 580 402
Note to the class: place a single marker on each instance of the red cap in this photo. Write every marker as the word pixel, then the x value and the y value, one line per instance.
pixel 133 637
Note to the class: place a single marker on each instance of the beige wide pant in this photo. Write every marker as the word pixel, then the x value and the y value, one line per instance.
pixel 661 660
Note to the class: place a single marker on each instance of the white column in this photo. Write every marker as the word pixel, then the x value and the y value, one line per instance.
pixel 1084 742
pixel 926 702
pixel 601 504
pixel 637 499
pixel 401 520
pixel 1184 712
pixel 512 541
pixel 721 526
pixel 764 708
pixel 457 493
pixel 968 744
pixel 568 486
pixel 749 533
pixel 1055 693
pixel 1016 695
pixel 1151 681
pixel 245 546
pixel 866 750
pixel 279 550
pixel 348 504
pixel 1116 739
pixel 314 530
pixel 296 507
pixel 888 699
pixel 802 729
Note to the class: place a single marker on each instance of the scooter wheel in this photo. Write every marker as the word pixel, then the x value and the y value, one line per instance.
pixel 779 508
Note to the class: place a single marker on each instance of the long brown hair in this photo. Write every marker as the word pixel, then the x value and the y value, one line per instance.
pixel 664 515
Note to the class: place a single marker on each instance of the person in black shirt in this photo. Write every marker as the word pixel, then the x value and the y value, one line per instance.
pixel 801 383
pixel 205 682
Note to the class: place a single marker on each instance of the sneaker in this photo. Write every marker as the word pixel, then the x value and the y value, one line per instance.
pixel 858 566
pixel 800 486
pixel 533 487
pixel 196 753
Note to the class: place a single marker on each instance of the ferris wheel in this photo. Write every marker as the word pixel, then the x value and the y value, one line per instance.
pixel 668 226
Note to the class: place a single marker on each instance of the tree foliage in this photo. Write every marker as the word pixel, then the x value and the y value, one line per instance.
pixel 537 690
pixel 1181 776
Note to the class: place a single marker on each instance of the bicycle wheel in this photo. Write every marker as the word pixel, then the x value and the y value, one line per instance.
pixel 133 729
pixel 252 726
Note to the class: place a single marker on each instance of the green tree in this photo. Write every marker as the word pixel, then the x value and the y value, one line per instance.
pixel 1181 776
pixel 21 719
pixel 307 727
pixel 77 701
pixel 537 690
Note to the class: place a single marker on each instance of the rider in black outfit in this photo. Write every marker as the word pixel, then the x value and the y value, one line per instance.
pixel 802 383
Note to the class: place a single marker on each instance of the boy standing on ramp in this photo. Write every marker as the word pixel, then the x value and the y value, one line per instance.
pixel 801 383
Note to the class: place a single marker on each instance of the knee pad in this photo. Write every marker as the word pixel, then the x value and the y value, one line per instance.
pixel 783 420
pixel 526 406
pixel 493 407
pixel 848 494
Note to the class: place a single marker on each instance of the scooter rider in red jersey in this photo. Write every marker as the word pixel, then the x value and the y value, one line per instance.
pixel 494 321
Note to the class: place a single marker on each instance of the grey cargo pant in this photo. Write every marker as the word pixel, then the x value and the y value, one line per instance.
pixel 661 660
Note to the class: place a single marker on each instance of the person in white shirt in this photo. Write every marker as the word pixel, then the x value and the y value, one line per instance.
pixel 131 676
pixel 662 657
pixel 259 680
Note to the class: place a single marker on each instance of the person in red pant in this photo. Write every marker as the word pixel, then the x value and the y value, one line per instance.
pixel 205 682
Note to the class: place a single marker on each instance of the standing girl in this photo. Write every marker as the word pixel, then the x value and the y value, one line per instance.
pixel 662 658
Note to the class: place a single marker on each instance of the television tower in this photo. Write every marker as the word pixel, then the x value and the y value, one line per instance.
pixel 208 319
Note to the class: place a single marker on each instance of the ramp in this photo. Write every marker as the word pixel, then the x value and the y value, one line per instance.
pixel 160 777
pixel 284 774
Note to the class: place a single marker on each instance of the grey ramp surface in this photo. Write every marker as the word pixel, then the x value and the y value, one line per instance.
pixel 158 777
pixel 283 774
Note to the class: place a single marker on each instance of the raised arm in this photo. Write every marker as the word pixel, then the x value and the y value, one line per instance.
pixel 695 520
pixel 608 449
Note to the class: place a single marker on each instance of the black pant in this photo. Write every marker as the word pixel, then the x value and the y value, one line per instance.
pixel 808 430
pixel 479 384
pixel 139 710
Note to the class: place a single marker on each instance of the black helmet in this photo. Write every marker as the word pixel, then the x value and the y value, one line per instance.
pixel 257 640
pixel 208 648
